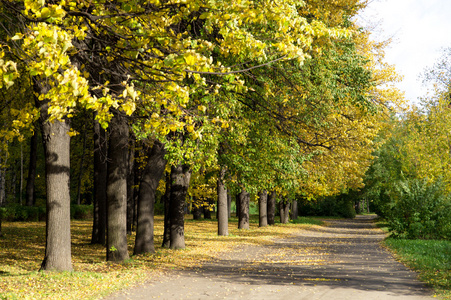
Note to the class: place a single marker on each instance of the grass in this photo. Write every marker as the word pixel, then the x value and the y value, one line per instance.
pixel 431 258
pixel 22 251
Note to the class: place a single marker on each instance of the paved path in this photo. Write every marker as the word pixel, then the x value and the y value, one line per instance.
pixel 340 261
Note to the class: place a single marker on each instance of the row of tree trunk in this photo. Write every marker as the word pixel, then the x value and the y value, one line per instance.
pixel 112 177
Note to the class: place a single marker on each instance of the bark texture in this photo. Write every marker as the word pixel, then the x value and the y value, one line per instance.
pixel 100 184
pixel 243 222
pixel 144 242
pixel 117 190
pixel 180 178
pixel 57 169
pixel 284 211
pixel 167 216
pixel 294 209
pixel 223 212
pixel 263 209
pixel 229 205
pixel 271 207
pixel 130 184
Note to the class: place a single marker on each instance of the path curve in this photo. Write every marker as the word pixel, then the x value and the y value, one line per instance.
pixel 341 261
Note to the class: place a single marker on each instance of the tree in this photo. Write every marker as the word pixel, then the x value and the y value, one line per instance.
pixel 117 249
pixel 180 178
pixel 243 222
pixel 100 180
pixel 57 154
pixel 151 176
pixel 271 207
pixel 263 208
pixel 223 224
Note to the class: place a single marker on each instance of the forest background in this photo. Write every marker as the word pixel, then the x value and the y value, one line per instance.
pixel 175 106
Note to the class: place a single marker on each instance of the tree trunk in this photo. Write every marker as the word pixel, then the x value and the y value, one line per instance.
pixel 180 177
pixel 3 180
pixel 197 209
pixel 100 184
pixel 294 209
pixel 243 222
pixel 229 205
pixel 57 169
pixel 29 189
pixel 167 213
pixel 130 184
pixel 284 211
pixel 237 206
pixel 144 242
pixel 263 209
pixel 223 215
pixel 117 190
pixel 21 175
pixel 357 207
pixel 136 180
pixel 82 162
pixel 271 207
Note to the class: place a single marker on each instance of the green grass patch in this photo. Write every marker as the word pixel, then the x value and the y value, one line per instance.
pixel 307 220
pixel 431 258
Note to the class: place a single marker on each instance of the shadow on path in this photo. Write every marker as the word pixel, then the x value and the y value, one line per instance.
pixel 341 261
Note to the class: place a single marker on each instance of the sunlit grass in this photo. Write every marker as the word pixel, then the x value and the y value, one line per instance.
pixel 431 258
pixel 22 251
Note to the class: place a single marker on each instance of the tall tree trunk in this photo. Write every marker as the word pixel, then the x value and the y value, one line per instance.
pixel 237 206
pixel 117 190
pixel 151 176
pixel 271 207
pixel 294 209
pixel 229 205
pixel 57 172
pixel 81 168
pixel 29 189
pixel 223 215
pixel 243 222
pixel 3 180
pixel 180 177
pixel 167 213
pixel 136 179
pixel 21 175
pixel 130 185
pixel 2 193
pixel 100 184
pixel 284 211
pixel 263 209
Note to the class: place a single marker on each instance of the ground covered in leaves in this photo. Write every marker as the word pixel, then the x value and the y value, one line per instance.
pixel 22 251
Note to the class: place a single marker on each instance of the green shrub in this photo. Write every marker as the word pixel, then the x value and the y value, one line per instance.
pixel 81 212
pixel 159 208
pixel 16 212
pixel 420 210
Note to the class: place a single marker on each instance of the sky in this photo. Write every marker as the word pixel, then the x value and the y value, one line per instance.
pixel 419 30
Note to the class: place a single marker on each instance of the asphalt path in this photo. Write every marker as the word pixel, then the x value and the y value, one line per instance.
pixel 343 260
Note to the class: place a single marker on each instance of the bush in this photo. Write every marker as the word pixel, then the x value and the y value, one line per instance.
pixel 420 210
pixel 81 212
pixel 16 212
